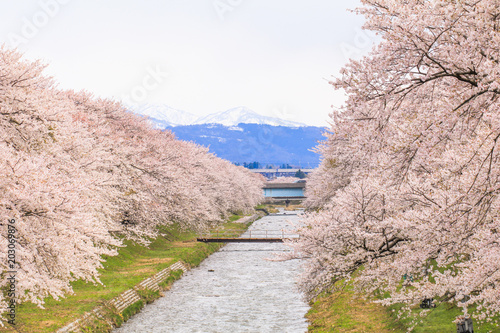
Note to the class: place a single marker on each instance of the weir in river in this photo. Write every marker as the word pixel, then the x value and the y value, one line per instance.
pixel 234 290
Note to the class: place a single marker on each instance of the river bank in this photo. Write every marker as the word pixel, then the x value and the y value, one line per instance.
pixel 134 264
pixel 344 311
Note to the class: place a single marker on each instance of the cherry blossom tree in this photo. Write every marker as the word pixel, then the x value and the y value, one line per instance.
pixel 407 192
pixel 78 171
pixel 43 188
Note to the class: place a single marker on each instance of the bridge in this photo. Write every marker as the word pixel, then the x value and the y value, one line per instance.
pixel 274 173
pixel 250 236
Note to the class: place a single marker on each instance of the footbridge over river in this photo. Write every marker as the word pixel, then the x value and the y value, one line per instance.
pixel 251 236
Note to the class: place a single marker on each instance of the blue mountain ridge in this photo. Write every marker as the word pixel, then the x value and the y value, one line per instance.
pixel 265 144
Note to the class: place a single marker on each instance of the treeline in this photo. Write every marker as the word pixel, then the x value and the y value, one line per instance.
pixel 78 173
pixel 258 165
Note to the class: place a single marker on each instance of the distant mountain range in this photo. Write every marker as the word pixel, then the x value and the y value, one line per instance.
pixel 241 135
pixel 164 116
pixel 266 144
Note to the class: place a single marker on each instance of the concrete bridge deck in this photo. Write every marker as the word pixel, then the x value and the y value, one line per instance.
pixel 250 236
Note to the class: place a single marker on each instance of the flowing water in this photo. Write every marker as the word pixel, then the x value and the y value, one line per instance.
pixel 234 290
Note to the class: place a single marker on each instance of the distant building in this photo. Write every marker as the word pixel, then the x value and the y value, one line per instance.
pixel 284 190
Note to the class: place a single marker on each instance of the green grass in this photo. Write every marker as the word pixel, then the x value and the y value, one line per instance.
pixel 133 264
pixel 235 218
pixel 346 312
pixel 440 319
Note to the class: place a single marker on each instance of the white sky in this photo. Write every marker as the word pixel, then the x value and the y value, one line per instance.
pixel 273 56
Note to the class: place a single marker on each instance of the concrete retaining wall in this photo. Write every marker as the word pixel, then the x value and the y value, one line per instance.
pixel 125 299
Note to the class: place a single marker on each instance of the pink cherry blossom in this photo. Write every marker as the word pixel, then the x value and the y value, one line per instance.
pixel 410 174
pixel 76 172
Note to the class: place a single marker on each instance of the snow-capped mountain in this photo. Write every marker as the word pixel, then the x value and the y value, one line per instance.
pixel 163 116
pixel 241 135
pixel 243 115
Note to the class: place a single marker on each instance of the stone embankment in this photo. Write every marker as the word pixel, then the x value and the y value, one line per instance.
pixel 120 303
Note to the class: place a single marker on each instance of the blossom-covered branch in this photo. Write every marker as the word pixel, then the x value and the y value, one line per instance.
pixel 410 175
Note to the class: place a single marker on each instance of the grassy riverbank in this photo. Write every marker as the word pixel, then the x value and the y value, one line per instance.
pixel 122 272
pixel 345 312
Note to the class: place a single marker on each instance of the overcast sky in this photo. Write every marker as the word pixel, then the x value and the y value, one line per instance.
pixel 200 56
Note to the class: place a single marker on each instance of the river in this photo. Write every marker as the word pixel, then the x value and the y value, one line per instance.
pixel 234 290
